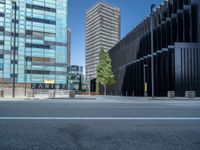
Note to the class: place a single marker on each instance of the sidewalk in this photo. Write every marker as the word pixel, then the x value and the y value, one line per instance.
pixel 45 97
pixel 147 99
pixel 100 98
pixel 175 98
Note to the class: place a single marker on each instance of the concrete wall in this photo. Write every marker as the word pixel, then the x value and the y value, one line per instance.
pixel 19 92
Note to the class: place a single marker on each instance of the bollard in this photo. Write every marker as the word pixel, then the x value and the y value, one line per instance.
pixel 52 94
pixel 190 94
pixel 170 94
pixel 1 93
pixel 71 94
pixel 30 93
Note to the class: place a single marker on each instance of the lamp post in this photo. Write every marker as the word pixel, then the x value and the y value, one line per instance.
pixel 26 76
pixel 14 50
pixel 152 46
pixel 67 77
pixel 89 85
pixel 145 81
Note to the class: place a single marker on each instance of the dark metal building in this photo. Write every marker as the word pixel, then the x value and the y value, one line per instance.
pixel 176 36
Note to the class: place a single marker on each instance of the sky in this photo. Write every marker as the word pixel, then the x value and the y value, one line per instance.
pixel 132 13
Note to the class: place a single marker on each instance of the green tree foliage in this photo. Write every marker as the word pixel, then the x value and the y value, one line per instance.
pixel 104 70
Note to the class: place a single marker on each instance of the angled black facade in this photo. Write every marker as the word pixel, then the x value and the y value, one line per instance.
pixel 176 36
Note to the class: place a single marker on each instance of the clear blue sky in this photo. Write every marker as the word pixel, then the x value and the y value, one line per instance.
pixel 132 13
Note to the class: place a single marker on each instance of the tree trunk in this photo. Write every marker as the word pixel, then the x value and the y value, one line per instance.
pixel 104 89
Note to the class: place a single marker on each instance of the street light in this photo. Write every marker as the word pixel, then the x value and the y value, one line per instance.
pixel 14 50
pixel 152 61
pixel 26 75
pixel 89 84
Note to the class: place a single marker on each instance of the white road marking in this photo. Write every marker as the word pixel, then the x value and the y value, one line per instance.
pixel 99 118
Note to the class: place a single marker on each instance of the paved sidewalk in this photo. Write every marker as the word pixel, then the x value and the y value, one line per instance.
pixel 78 97
pixel 145 98
pixel 101 98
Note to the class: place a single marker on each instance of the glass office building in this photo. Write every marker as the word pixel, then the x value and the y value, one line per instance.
pixel 41 35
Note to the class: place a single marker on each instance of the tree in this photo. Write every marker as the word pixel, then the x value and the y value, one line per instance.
pixel 104 70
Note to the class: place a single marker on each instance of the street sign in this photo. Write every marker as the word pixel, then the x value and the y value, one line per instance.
pixel 48 86
pixel 49 81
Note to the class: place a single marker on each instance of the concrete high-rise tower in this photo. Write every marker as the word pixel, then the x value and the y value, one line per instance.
pixel 102 31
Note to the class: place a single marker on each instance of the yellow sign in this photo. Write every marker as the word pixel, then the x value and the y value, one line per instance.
pixel 49 81
pixel 145 87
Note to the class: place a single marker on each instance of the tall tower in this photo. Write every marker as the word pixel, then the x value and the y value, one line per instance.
pixel 102 31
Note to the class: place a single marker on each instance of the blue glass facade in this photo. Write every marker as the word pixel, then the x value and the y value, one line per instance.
pixel 41 35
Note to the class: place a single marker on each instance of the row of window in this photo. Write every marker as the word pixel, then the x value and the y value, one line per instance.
pixel 41 20
pixel 40 8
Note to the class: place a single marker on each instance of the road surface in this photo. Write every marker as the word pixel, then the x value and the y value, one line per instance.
pixel 101 124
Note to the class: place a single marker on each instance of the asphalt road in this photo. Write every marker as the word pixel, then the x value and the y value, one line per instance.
pixel 102 124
